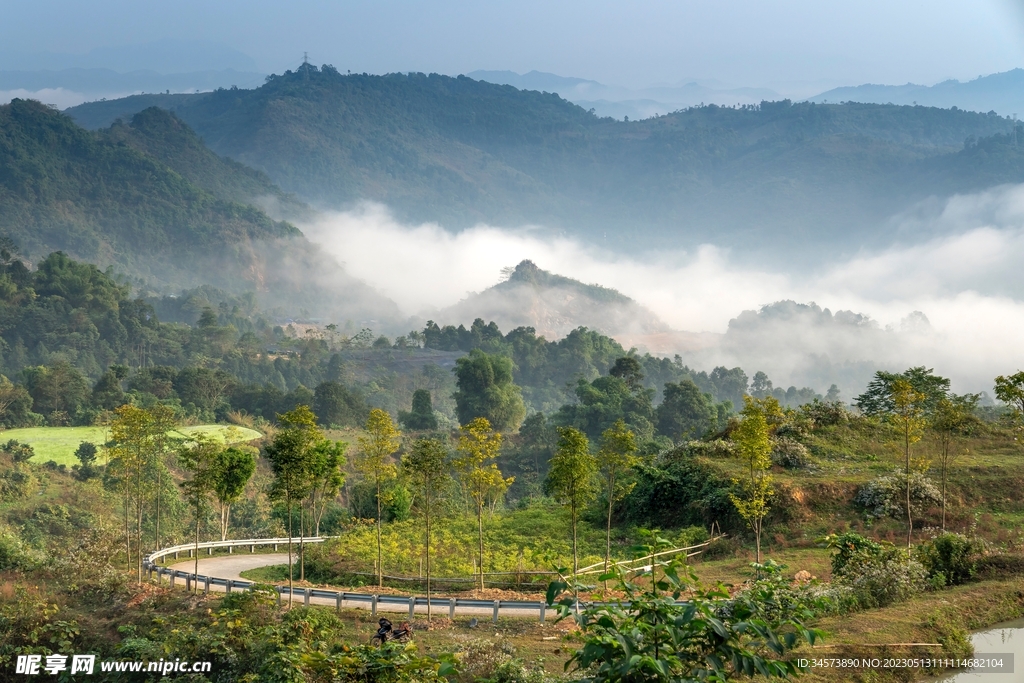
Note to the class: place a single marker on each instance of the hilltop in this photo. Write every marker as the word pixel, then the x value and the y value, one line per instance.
pixel 554 306
pixel 782 177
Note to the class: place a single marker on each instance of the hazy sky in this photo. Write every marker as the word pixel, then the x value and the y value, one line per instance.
pixel 782 44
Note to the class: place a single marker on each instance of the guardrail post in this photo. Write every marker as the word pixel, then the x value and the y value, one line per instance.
pixel 209 551
pixel 373 605
pixel 252 549
pixel 227 588
pixel 231 550
pixel 278 590
pixel 190 550
pixel 305 596
pixel 188 582
pixel 206 585
pixel 497 604
pixel 337 601
pixel 275 547
pixel 412 606
pixel 172 578
pixel 451 608
pixel 543 609
pixel 175 554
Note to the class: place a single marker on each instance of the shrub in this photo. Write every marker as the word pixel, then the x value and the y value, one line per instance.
pixel 790 454
pixel 826 413
pixel 886 496
pixel 878 574
pixel 691 535
pixel 20 452
pixel 953 558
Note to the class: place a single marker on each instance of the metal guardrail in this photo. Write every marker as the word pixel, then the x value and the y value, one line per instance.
pixel 149 563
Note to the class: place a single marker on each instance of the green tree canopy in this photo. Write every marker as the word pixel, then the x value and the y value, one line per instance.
pixel 485 389
pixel 878 399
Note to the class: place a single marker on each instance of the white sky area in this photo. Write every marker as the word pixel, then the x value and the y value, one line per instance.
pixel 966 282
pixel 798 47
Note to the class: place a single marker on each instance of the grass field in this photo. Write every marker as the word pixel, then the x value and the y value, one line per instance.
pixel 59 443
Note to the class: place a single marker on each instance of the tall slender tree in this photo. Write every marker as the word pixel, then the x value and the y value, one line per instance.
pixel 375 462
pixel 327 459
pixel 571 479
pixel 426 465
pixel 907 419
pixel 615 458
pixel 234 469
pixel 753 444
pixel 953 420
pixel 288 455
pixel 199 457
pixel 478 449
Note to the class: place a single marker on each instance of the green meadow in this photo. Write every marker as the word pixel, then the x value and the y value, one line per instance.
pixel 59 443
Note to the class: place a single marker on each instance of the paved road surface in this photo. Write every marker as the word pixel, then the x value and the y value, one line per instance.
pixel 232 566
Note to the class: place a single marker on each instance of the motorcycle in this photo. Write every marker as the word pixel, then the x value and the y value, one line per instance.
pixel 386 632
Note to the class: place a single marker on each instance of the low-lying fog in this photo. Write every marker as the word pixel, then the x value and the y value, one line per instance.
pixel 957 262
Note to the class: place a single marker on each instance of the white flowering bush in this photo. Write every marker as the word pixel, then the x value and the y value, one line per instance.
pixel 886 496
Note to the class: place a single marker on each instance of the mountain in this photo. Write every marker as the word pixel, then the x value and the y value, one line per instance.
pixel 117 198
pixel 635 103
pixel 93 84
pixel 782 180
pixel 1001 92
pixel 554 306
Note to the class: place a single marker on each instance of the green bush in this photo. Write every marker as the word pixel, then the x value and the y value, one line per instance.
pixel 879 574
pixel 790 454
pixel 951 557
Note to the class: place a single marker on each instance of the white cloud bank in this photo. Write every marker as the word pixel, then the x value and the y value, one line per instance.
pixel 965 278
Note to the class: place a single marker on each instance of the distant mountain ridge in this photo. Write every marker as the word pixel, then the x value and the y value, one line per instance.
pixel 1001 92
pixel 783 178
pixel 554 305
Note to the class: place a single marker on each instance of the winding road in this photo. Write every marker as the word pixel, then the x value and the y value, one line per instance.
pixel 232 566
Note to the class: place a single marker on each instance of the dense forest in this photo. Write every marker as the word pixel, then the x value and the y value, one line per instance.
pixel 459 151
pixel 150 199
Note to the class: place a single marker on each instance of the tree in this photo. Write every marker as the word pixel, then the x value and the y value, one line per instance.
pixel 879 400
pixel 685 412
pixel 422 415
pixel 233 469
pixel 571 479
pixel 425 465
pixel 615 458
pixel 376 448
pixel 479 447
pixel 288 455
pixel 754 447
pixel 56 389
pixel 86 455
pixel 335 404
pixel 1010 390
pixel 953 419
pixel 202 387
pixel 907 418
pixel 629 370
pixel 200 459
pixel 485 389
pixel 327 458
pixel 139 438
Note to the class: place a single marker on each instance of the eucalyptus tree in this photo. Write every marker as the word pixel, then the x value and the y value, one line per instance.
pixel 327 458
pixel 288 454
pixel 953 420
pixel 571 479
pixel 907 417
pixel 234 469
pixel 375 462
pixel 478 448
pixel 426 464
pixel 200 457
pixel 616 457
pixel 752 437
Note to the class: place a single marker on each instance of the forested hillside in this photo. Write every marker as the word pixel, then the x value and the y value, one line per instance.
pixel 778 176
pixel 148 199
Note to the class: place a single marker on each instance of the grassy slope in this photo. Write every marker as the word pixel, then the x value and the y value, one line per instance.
pixel 59 443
